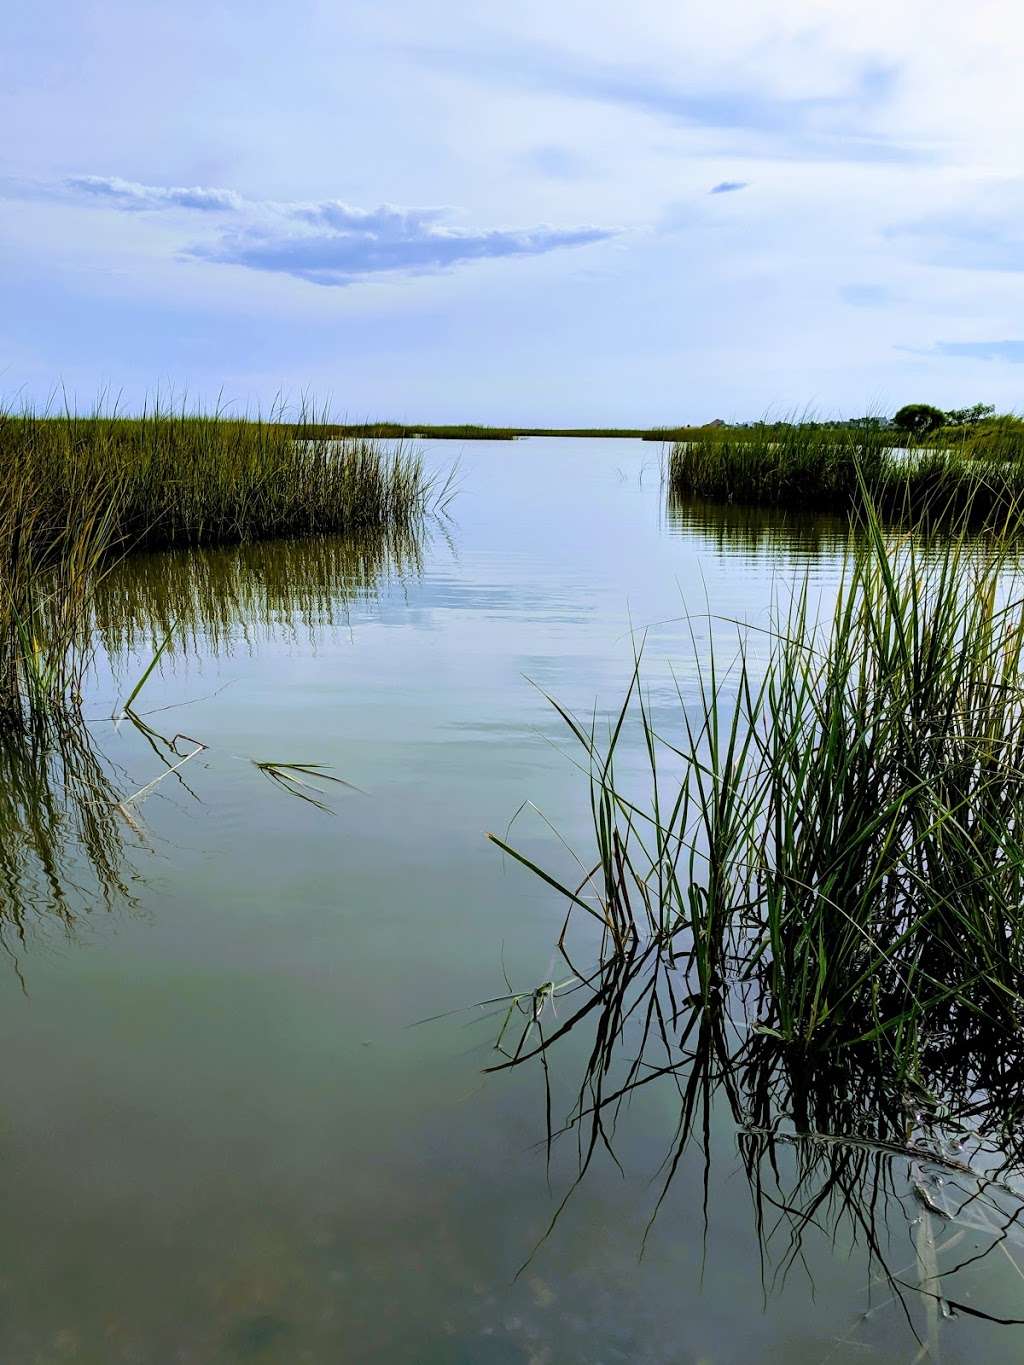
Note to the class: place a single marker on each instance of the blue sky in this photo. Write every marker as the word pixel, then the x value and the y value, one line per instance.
pixel 530 213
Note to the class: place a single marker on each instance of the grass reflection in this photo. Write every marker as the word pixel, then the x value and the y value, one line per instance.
pixel 70 821
pixel 924 1181
pixel 215 598
pixel 63 831
pixel 746 529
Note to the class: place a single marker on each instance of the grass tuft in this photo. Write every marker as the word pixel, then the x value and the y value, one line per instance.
pixel 834 839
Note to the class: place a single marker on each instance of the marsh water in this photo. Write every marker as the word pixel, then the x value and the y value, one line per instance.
pixel 245 1113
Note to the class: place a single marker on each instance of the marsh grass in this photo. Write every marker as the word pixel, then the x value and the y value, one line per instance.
pixel 834 839
pixel 805 915
pixel 190 479
pixel 474 432
pixel 77 494
pixel 967 480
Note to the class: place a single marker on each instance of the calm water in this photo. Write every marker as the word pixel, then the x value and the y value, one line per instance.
pixel 224 1135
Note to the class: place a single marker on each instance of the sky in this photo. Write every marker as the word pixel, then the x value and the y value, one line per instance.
pixel 528 213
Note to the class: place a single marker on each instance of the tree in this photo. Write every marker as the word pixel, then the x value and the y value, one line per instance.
pixel 920 418
pixel 962 417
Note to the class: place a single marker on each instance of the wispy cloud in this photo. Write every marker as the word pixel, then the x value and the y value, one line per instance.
pixel 729 186
pixel 331 242
pixel 127 194
pixel 830 126
pixel 1012 351
pixel 557 163
pixel 343 257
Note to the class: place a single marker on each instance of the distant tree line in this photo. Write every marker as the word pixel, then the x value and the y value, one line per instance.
pixel 922 418
pixel 919 419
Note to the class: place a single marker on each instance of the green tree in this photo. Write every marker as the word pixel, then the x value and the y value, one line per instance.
pixel 920 418
pixel 961 417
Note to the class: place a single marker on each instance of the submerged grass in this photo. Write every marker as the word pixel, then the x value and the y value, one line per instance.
pixel 76 494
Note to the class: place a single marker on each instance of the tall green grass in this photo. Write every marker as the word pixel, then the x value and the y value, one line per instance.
pixel 833 838
pixel 190 479
pixel 811 467
pixel 78 493
pixel 806 904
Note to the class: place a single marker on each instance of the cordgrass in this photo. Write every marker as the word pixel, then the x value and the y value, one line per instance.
pixel 838 848
pixel 808 918
pixel 978 479
pixel 201 480
pixel 76 494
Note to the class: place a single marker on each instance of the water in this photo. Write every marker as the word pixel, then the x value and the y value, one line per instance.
pixel 225 1135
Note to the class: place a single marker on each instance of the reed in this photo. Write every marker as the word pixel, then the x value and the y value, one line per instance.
pixel 77 494
pixel 834 839
pixel 975 477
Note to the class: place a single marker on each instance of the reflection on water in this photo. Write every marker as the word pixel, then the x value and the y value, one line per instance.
pixel 214 598
pixel 69 819
pixel 62 828
pixel 764 531
pixel 920 1179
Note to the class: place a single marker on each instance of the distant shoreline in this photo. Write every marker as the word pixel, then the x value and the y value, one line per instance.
pixel 467 432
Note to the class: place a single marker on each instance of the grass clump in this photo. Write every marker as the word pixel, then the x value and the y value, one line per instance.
pixel 806 901
pixel 978 479
pixel 202 480
pixel 78 493
pixel 834 841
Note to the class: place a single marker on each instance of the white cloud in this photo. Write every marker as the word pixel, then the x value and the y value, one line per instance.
pixel 127 194
pixel 331 242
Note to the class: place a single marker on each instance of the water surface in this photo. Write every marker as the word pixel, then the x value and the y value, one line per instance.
pixel 225 1135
